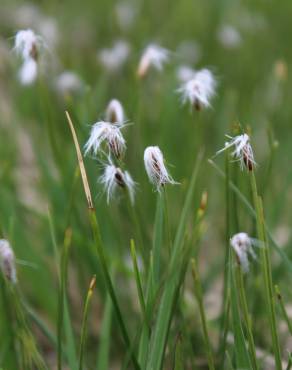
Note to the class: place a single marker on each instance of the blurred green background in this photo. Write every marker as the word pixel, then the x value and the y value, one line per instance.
pixel 38 160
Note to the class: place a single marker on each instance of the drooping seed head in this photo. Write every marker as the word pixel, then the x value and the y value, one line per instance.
pixel 242 151
pixel 153 56
pixel 115 112
pixel 155 167
pixel 113 178
pixel 243 247
pixel 7 261
pixel 110 134
pixel 199 90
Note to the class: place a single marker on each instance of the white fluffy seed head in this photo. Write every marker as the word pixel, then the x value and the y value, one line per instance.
pixel 7 261
pixel 26 44
pixel 115 112
pixel 155 167
pixel 242 151
pixel 243 247
pixel 28 72
pixel 199 90
pixel 110 134
pixel 112 59
pixel 185 73
pixel 153 56
pixel 68 82
pixel 229 36
pixel 114 178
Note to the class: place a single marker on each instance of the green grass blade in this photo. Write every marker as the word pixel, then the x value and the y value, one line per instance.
pixel 105 336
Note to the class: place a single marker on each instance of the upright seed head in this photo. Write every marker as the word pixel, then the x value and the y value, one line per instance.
pixel 243 247
pixel 242 151
pixel 7 261
pixel 155 167
pixel 153 56
pixel 199 90
pixel 115 112
pixel 114 178
pixel 108 133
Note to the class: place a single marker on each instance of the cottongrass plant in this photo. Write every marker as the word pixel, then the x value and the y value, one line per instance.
pixel 154 56
pixel 27 45
pixel 243 247
pixel 7 261
pixel 155 168
pixel 199 90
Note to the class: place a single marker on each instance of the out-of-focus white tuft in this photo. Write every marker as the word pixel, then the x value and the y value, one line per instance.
pixel 243 247
pixel 153 56
pixel 155 167
pixel 228 36
pixel 115 112
pixel 199 90
pixel 28 72
pixel 26 44
pixel 68 83
pixel 7 261
pixel 185 73
pixel 126 13
pixel 113 59
pixel 106 132
pixel 242 151
pixel 114 178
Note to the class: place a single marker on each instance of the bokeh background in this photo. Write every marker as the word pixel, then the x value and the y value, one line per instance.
pixel 245 44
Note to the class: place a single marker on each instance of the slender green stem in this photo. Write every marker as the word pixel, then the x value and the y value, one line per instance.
pixel 84 321
pixel 246 316
pixel 138 280
pixel 266 266
pixel 283 309
pixel 166 216
pixel 199 296
pixel 108 281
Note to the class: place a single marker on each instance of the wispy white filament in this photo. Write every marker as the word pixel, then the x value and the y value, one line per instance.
pixel 242 150
pixel 7 261
pixel 153 56
pixel 106 132
pixel 199 90
pixel 155 167
pixel 114 178
pixel 115 112
pixel 243 247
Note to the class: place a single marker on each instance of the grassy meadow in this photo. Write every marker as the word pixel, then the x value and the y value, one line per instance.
pixel 153 284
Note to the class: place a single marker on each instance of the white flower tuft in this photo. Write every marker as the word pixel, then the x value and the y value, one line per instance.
pixel 28 72
pixel 229 37
pixel 7 261
pixel 199 90
pixel 155 168
pixel 243 247
pixel 153 56
pixel 109 133
pixel 114 178
pixel 68 82
pixel 113 59
pixel 26 44
pixel 115 112
pixel 242 151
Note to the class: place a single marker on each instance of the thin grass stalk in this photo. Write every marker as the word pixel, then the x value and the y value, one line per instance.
pixel 158 238
pixel 199 297
pixel 62 293
pixel 224 325
pixel 84 321
pixel 105 333
pixel 289 365
pixel 246 316
pixel 266 266
pixel 99 245
pixel 138 281
pixel 283 309
pixel 166 217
